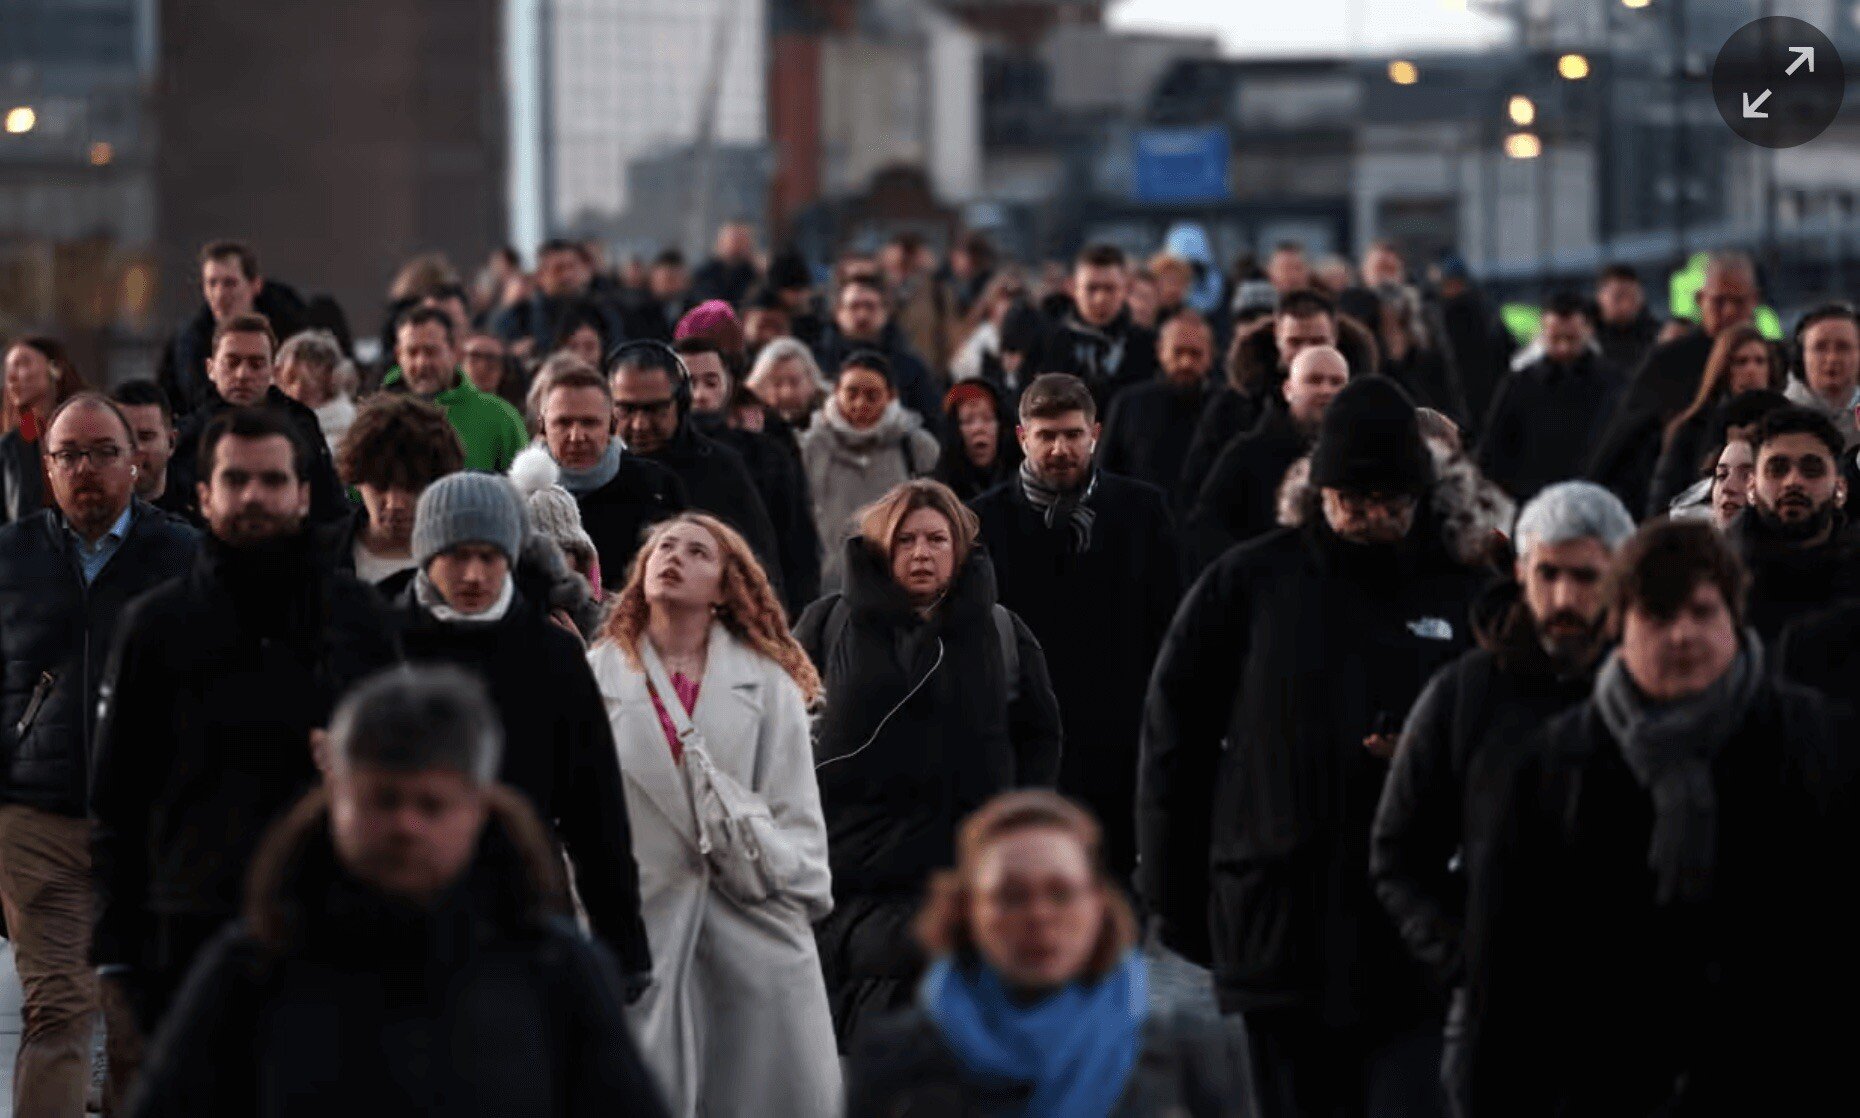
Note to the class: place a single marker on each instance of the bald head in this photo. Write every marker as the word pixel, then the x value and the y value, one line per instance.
pixel 1316 376
pixel 1186 350
pixel 1730 294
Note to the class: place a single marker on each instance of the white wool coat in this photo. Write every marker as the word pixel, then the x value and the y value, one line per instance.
pixel 736 1021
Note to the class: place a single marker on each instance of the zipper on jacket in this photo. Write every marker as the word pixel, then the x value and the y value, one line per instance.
pixel 40 692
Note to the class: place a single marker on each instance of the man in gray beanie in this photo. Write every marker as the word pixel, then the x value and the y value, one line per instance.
pixel 466 609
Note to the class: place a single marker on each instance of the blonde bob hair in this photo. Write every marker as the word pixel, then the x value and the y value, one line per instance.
pixel 942 927
pixel 879 521
pixel 749 610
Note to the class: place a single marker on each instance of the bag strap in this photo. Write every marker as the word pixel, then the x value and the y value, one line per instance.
pixel 904 448
pixel 690 739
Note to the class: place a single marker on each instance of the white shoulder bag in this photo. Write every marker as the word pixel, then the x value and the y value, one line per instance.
pixel 749 857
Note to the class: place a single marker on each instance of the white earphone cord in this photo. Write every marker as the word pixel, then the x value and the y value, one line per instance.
pixel 881 722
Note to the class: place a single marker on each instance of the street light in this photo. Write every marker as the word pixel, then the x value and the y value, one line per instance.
pixel 1636 3
pixel 101 153
pixel 1404 72
pixel 1521 110
pixel 21 120
pixel 1572 67
pixel 1523 145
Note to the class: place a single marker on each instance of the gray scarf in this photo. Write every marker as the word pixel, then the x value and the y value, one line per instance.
pixel 1058 507
pixel 583 482
pixel 1669 749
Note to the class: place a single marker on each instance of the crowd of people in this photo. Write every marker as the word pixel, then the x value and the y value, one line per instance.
pixel 776 689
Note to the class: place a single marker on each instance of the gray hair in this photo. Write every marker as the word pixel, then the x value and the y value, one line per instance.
pixel 1569 511
pixel 783 349
pixel 415 718
pixel 316 348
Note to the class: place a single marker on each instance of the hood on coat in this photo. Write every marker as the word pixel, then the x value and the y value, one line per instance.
pixel 870 588
pixel 1474 515
pixel 1253 357
pixel 1189 241
pixel 514 859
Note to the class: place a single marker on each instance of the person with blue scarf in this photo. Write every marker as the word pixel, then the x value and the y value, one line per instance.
pixel 1037 1001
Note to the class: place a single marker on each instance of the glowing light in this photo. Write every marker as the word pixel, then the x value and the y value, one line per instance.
pixel 1523 145
pixel 1404 72
pixel 21 120
pixel 1573 67
pixel 1521 110
pixel 101 154
pixel 1636 3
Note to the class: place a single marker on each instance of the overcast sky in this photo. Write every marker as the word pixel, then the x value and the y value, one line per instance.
pixel 1248 27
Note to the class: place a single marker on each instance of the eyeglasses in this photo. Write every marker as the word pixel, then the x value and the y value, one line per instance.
pixel 645 408
pixel 102 457
pixel 1360 503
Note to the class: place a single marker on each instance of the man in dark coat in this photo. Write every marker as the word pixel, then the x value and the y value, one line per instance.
pixel 1147 432
pixel 653 312
pixel 652 407
pixel 242 375
pixel 1063 533
pixel 732 271
pixel 216 681
pixel 230 286
pixel 1666 903
pixel 926 718
pixel 564 286
pixel 1548 417
pixel 772 461
pixel 465 608
pixel 620 494
pixel 1539 641
pixel 66 575
pixel 1669 380
pixel 1240 499
pixel 1793 536
pixel 1272 711
pixel 1257 361
pixel 1477 343
pixel 406 946
pixel 1625 328
pixel 862 321
pixel 1097 341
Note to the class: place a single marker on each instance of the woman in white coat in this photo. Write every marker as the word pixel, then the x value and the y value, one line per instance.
pixel 727 827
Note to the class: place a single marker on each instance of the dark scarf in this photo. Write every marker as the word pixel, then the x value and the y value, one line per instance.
pixel 1057 507
pixel 1669 749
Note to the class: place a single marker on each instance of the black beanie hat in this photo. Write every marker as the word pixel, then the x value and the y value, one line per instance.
pixel 789 271
pixel 1370 441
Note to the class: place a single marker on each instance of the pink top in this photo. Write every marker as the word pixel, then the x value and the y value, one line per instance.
pixel 687 695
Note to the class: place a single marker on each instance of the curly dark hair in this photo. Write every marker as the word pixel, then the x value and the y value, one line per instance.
pixel 399 442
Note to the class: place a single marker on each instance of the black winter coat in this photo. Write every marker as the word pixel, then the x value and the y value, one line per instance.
pixel 558 751
pixel 904 1067
pixel 1626 346
pixel 775 469
pixel 1787 582
pixel 182 373
pixel 1148 432
pixel 716 481
pixel 953 468
pixel 1256 792
pixel 22 478
pixel 1660 389
pixel 1240 499
pixel 616 515
pixel 1479 346
pixel 1588 997
pixel 918 731
pixel 1465 732
pixel 1430 380
pixel 55 637
pixel 332 998
pixel 329 501
pixel 1823 652
pixel 1100 658
pixel 215 681
pixel 1546 422
pixel 1119 356
pixel 1682 458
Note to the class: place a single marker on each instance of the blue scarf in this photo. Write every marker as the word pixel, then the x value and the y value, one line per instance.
pixel 583 482
pixel 1076 1048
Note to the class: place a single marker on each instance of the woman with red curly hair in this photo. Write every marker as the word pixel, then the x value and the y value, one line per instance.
pixel 708 695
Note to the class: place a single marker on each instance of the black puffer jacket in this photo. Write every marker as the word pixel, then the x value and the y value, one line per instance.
pixel 1256 792
pixel 55 636
pixel 1183 1070
pixel 332 998
pixel 918 732
pixel 1589 997
pixel 558 750
pixel 215 681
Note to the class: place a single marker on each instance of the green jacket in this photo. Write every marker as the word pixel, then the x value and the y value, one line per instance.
pixel 491 430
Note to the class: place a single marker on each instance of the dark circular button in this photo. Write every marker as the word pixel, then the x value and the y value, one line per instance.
pixel 1778 82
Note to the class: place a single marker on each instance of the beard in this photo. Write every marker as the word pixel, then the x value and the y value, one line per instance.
pixel 1570 640
pixel 1799 529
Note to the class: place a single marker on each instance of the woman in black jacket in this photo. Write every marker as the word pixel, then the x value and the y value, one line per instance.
pixel 1744 367
pixel 1065 1027
pixel 979 448
pixel 937 698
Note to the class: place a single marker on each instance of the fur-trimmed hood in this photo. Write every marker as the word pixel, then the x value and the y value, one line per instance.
pixel 1473 515
pixel 515 878
pixel 1253 357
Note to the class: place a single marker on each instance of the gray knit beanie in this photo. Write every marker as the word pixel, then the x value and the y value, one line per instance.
pixel 554 513
pixel 467 508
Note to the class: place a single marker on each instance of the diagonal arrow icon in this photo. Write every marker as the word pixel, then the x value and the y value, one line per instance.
pixel 1802 54
pixel 1751 107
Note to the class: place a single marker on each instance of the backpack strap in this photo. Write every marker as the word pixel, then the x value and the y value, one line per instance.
pixel 910 455
pixel 1010 649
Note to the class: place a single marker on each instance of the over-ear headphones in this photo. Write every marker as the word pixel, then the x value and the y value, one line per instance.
pixel 653 354
pixel 1798 364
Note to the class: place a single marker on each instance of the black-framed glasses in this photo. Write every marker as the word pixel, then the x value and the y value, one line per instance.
pixel 103 457
pixel 626 409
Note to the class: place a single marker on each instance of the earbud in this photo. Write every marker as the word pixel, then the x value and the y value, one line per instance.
pixel 133 471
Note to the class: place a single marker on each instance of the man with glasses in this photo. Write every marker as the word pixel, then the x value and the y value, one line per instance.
pixel 652 407
pixel 66 575
pixel 1272 713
